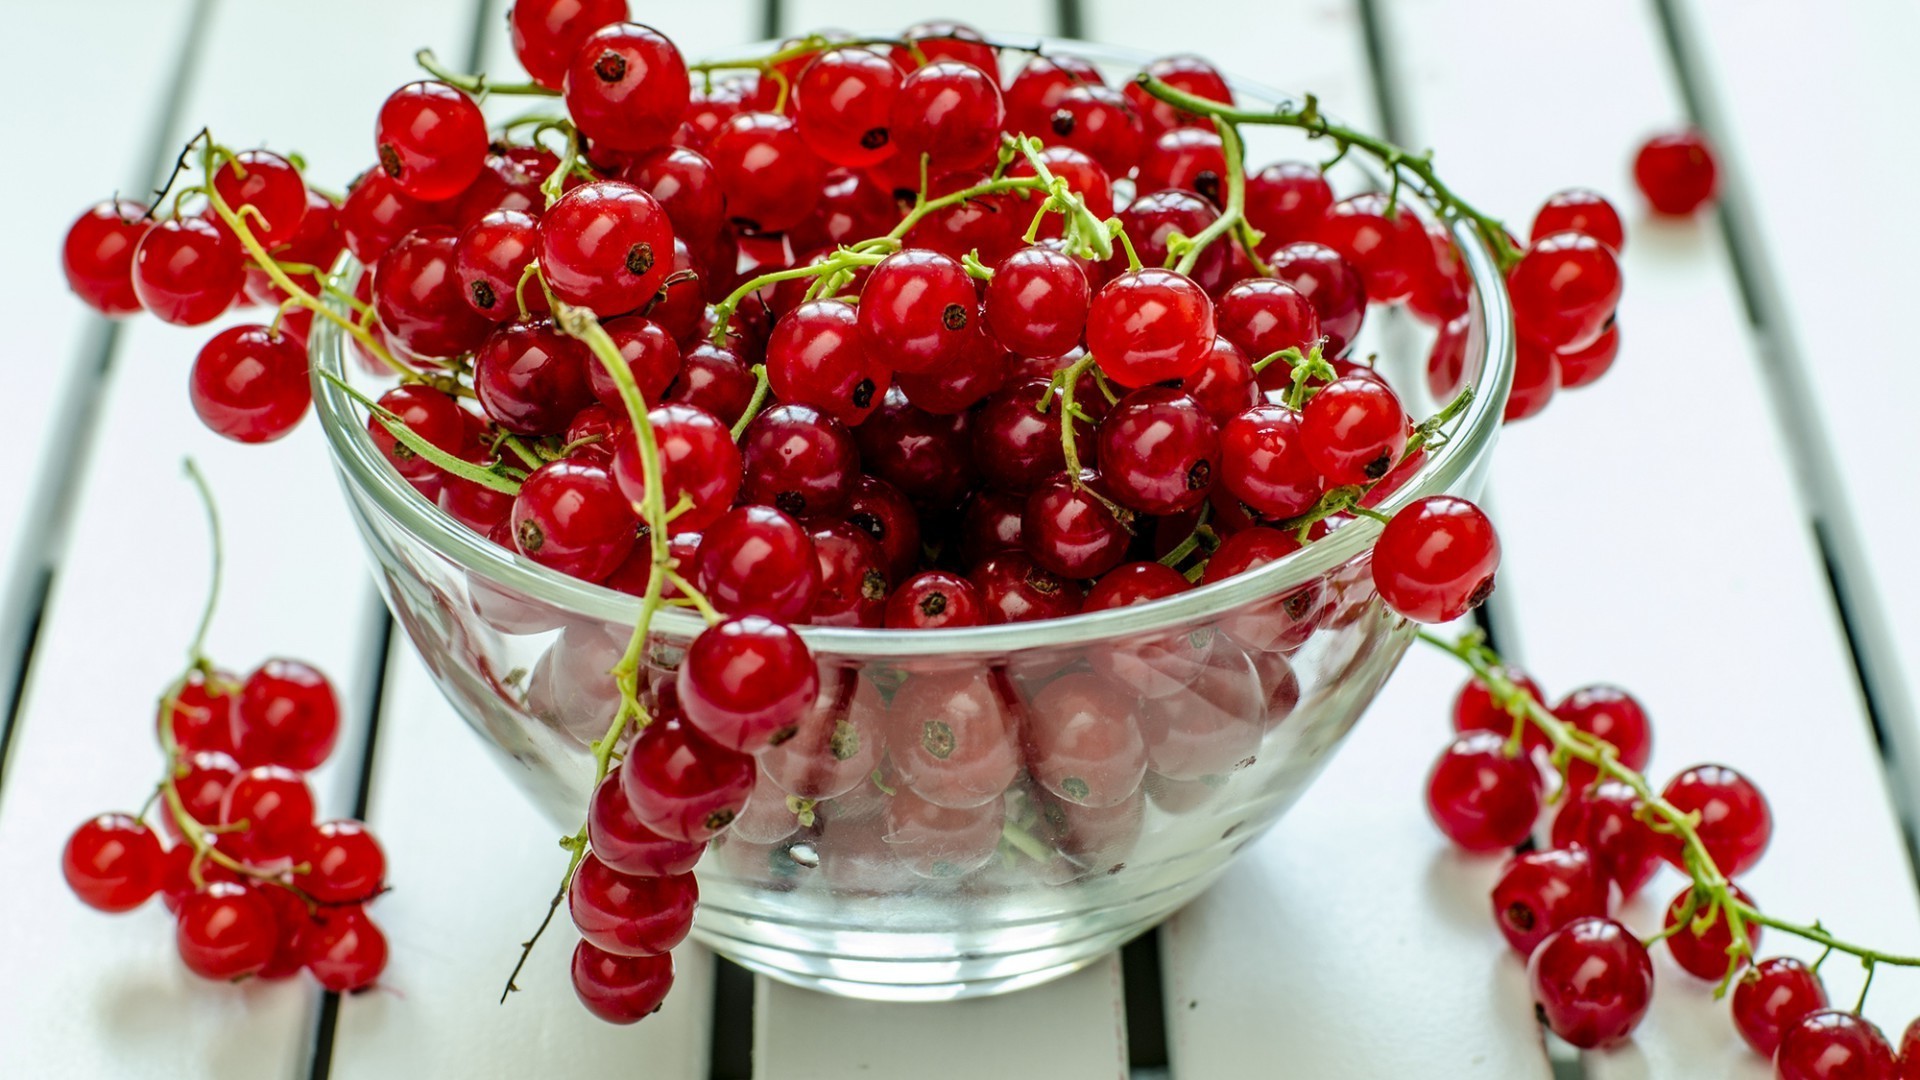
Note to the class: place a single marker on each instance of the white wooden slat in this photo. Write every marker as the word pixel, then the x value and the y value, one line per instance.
pixel 129 590
pixel 457 922
pixel 1073 1027
pixel 54 353
pixel 1863 489
pixel 1351 920
pixel 1710 605
pixel 475 862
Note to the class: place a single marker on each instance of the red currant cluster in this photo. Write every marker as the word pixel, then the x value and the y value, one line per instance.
pixel 255 885
pixel 1591 977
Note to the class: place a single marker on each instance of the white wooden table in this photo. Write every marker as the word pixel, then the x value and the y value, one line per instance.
pixel 1724 525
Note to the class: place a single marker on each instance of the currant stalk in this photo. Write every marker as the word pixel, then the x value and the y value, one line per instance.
pixel 1711 889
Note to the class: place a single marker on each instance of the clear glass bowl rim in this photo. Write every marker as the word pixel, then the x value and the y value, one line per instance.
pixel 363 466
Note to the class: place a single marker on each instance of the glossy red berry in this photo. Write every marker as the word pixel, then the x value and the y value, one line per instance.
pixel 1189 158
pixel 771 178
pixel 418 295
pixel 628 915
pixel 621 842
pixel 1013 589
pixel 98 255
pixel 1226 385
pixel 1541 891
pixel 1264 464
pixel 343 949
pixel 1676 172
pixel 651 355
pixel 746 681
pixel 627 87
pixel 547 33
pixel 1248 549
pixel 952 738
pixel 572 517
pixel 951 112
pixel 1705 954
pixel 1333 287
pixel 113 863
pixel 491 257
pixel 1606 819
pixel 819 356
pixel 287 715
pixel 250 384
pixel 1353 430
pixel 274 807
pixel 1186 72
pixel 1435 560
pixel 1070 528
pixel 699 464
pixel 1083 741
pixel 1083 174
pixel 844 101
pixel 1159 451
pixel 431 139
pixel 203 712
pixel 682 181
pixel 799 460
pixel 1536 377
pixel 1592 982
pixel 1583 366
pixel 1564 290
pixel 1735 822
pixel 226 931
pixel 981 368
pixel 1582 211
pixel 202 783
pixel 1150 325
pixel 345 864
pixel 755 560
pixel 1097 121
pixel 1771 997
pixel 853 577
pixel 1480 797
pixel 1015 445
pixel 680 785
pixel 531 379
pixel 620 989
pixel 1036 304
pixel 923 455
pixel 934 600
pixel 1474 709
pixel 186 271
pixel 919 310
pixel 945 39
pixel 606 245
pixel 1035 91
pixel 1287 200
pixel 1262 316
pixel 270 185
pixel 1834 1045
pixel 878 509
pixel 1390 251
pixel 1612 714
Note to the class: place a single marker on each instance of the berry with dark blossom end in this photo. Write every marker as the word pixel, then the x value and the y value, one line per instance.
pixel 1772 996
pixel 428 413
pixel 844 103
pixel 1264 464
pixel 1158 451
pixel 419 298
pixel 919 310
pixel 1541 891
pixel 878 509
pixel 680 785
pixel 620 989
pixel 1735 822
pixel 547 33
pixel 1592 982
pixel 799 460
pixel 491 257
pixel 853 577
pixel 818 355
pixel 1435 560
pixel 1034 93
pixel 431 140
pixel 1099 122
pixel 570 516
pixel 627 87
pixel 699 466
pixel 745 682
pixel 113 863
pixel 226 931
pixel 1013 589
pixel 1834 1045
pixel 607 246
pixel 755 560
pixel 1187 157
pixel 1706 954
pixel 771 179
pixel 1676 172
pixel 250 384
pixel 934 600
pixel 953 738
pixel 98 255
pixel 1481 797
pixel 1353 430
pixel 186 271
pixel 1150 325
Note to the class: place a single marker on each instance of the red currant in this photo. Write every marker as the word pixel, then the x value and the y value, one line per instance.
pixel 819 356
pixel 1483 799
pixel 1706 954
pixel 345 864
pixel 1353 430
pixel 1188 158
pixel 571 516
pixel 1013 589
pixel 226 931
pixel 1150 325
pixel 1583 366
pixel 844 101
pixel 287 715
pixel 1186 72
pixel 491 257
pixel 680 785
pixel 1592 981
pixel 1735 822
pixel 1287 200
pixel 113 863
pixel 623 843
pixel 1084 741
pixel 1541 891
pixel 934 600
pixel 1474 709
pixel 746 681
pixel 1070 527
pixel 699 466
pixel 923 455
pixel 1264 464
pixel 1158 451
pixel 1435 560
pixel 627 88
pixel 606 246
pixel 628 915
pixel 186 271
pixel 919 310
pixel 1606 819
pixel 1609 713
pixel 250 384
pixel 1834 1045
pixel 272 186
pixel 1390 250
pixel 1582 211
pixel 620 989
pixel 547 33
pixel 1676 172
pixel 376 214
pixel 1036 304
pixel 1333 287
pixel 1771 997
pixel 772 180
pixel 432 140
pixel 419 298
pixel 1262 316
pixel 344 950
pixel 1035 92
pixel 952 738
pixel 274 806
pixel 755 560
pixel 98 255
pixel 1564 290
pixel 531 379
pixel 1097 121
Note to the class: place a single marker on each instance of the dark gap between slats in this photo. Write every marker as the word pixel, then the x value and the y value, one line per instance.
pixel 1870 647
pixel 49 510
pixel 1140 979
pixel 377 644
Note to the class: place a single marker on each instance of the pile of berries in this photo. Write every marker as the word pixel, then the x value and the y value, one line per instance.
pixel 1592 977
pixel 256 886
pixel 875 335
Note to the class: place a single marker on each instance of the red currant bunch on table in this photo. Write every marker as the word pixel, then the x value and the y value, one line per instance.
pixel 917 332
pixel 256 886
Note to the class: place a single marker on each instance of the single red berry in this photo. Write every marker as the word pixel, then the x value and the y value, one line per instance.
pixel 1592 982
pixel 531 379
pixel 287 715
pixel 1606 819
pixel 1097 121
pixel 1564 290
pixel 1771 997
pixel 186 271
pixel 571 516
pixel 1582 211
pixel 981 368
pixel 1135 583
pixel 799 460
pixel 202 784
pixel 419 298
pixel 1353 430
pixel 547 33
pixel 923 455
pixel 945 39
pixel 934 600
pixel 1152 222
pixel 628 915
pixel 1083 741
pixel 1159 451
pixel 952 739
pixel 1150 325
pixel 771 179
pixel 1247 549
pixel 1083 174
pixel 1264 464
pixel 819 356
pixel 1034 93
pixel 1287 200
pixel 1834 1045
pixel 620 989
pixel 113 863
pixel 1262 316
pixel 431 414
pixel 1189 158
pixel 250 384
pixel 1013 589
pixel 1706 954
pixel 680 785
pixel 1390 250
pixel 844 101
pixel 1070 527
pixel 1536 377
pixel 951 112
pixel 878 509
pixel 1735 822
pixel 98 255
pixel 491 257
pixel 345 864
pixel 606 245
pixel 272 805
pixel 1036 304
pixel 627 87
pixel 1186 72
pixel 344 949
pixel 1541 891
pixel 1480 797
pixel 682 181
pixel 1474 708
pixel 699 466
pixel 270 185
pixel 1015 445
pixel 203 711
pixel 746 681
pixel 756 560
pixel 376 214
pixel 1676 172
pixel 1330 284
pixel 432 140
pixel 853 577
pixel 919 310
pixel 1609 713
pixel 621 842
pixel 652 358
pixel 1226 385
pixel 1435 560
pixel 1441 290
pixel 226 931
pixel 1583 366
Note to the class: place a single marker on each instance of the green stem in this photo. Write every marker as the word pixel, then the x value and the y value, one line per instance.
pixel 476 83
pixel 197 652
pixel 1235 211
pixel 397 427
pixel 759 398
pixel 1397 159
pixel 1070 378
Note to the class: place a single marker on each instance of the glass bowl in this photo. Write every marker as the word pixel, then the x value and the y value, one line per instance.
pixel 1031 864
